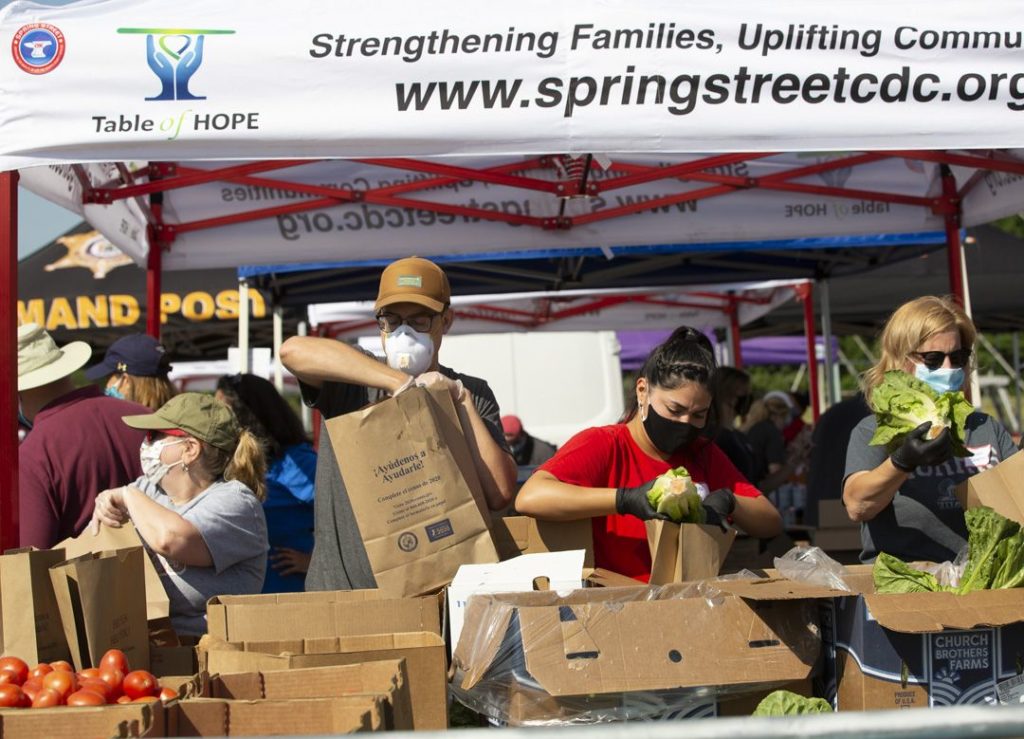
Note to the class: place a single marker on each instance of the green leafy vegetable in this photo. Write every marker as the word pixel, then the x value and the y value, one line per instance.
pixel 893 575
pixel 785 703
pixel 986 530
pixel 995 560
pixel 902 403
pixel 675 495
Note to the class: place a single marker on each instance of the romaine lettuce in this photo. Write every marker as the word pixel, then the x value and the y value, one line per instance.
pixel 675 495
pixel 902 403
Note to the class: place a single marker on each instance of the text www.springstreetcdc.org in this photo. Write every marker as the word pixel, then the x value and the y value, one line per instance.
pixel 682 94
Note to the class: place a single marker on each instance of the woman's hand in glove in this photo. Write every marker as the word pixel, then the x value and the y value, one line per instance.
pixel 718 506
pixel 918 450
pixel 633 501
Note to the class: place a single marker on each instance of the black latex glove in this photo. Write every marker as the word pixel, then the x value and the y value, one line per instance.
pixel 718 506
pixel 633 502
pixel 917 449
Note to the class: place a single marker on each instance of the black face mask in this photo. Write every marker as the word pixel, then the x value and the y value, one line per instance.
pixel 669 436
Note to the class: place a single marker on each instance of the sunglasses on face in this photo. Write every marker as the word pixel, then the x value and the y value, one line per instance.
pixel 420 322
pixel 934 360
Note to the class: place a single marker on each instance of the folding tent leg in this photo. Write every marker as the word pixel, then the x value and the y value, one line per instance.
pixel 154 289
pixel 9 366
pixel 734 334
pixel 806 294
pixel 831 387
pixel 243 325
pixel 954 250
pixel 278 340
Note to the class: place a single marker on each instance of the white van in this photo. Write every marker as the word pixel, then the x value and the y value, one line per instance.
pixel 557 382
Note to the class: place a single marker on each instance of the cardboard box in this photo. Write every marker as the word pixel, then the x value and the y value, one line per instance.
pixel 387 679
pixel 299 717
pixel 534 658
pixel 910 650
pixel 560 571
pixel 687 552
pixel 832 515
pixel 287 631
pixel 130 720
pixel 1000 488
pixel 518 535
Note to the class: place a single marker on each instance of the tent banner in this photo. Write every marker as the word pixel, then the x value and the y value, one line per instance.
pixel 200 80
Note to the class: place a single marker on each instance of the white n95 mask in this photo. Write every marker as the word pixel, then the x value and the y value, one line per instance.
pixel 409 351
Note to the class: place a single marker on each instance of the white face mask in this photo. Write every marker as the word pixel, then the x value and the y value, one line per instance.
pixel 409 351
pixel 149 455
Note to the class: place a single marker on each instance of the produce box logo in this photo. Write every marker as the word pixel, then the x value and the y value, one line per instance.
pixel 174 55
pixel 38 48
pixel 963 667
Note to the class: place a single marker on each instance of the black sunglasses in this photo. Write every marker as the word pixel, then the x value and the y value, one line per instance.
pixel 420 322
pixel 934 360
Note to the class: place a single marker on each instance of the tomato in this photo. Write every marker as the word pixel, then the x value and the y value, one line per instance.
pixel 124 699
pixel 140 683
pixel 16 666
pixel 65 683
pixel 40 670
pixel 12 697
pixel 99 687
pixel 86 698
pixel 9 677
pixel 31 687
pixel 62 666
pixel 146 699
pixel 89 673
pixel 168 694
pixel 113 678
pixel 115 658
pixel 47 698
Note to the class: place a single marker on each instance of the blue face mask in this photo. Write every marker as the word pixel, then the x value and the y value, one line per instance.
pixel 113 392
pixel 941 380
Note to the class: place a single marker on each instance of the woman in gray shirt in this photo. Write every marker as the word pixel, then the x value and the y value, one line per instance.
pixel 905 501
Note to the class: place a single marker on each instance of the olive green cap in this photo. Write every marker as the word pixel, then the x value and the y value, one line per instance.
pixel 196 414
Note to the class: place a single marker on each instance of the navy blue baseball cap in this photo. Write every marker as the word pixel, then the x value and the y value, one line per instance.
pixel 139 354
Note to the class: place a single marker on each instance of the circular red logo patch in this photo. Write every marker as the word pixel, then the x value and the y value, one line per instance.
pixel 38 48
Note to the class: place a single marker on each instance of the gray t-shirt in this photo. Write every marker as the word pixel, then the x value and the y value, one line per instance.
pixel 231 522
pixel 925 520
pixel 339 560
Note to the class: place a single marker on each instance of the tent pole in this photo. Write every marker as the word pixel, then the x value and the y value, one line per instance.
pixel 734 334
pixel 154 269
pixel 305 411
pixel 1016 377
pixel 243 324
pixel 831 391
pixel 9 369
pixel 806 293
pixel 278 340
pixel 951 216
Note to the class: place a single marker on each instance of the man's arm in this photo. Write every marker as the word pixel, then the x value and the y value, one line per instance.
pixel 315 360
pixel 496 467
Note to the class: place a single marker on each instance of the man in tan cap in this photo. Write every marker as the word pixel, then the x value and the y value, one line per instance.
pixel 78 445
pixel 413 310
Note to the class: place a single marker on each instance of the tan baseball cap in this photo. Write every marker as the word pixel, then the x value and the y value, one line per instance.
pixel 197 415
pixel 414 280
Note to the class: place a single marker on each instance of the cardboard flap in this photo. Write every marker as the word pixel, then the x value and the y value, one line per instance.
pixel 919 613
pixel 644 645
pixel 998 487
pixel 776 588
pixel 158 605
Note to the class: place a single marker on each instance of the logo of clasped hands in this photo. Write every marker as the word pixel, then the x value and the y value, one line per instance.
pixel 174 55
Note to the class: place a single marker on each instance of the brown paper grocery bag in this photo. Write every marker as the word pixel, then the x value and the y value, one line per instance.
pixel 102 602
pixel 30 617
pixel 109 539
pixel 686 552
pixel 414 490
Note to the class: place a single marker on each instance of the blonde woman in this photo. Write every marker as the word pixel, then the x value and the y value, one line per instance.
pixel 905 501
pixel 136 368
pixel 198 505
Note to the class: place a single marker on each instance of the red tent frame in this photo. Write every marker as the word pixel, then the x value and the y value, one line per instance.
pixel 574 180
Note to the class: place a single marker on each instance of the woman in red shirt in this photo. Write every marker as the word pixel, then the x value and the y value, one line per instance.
pixel 604 473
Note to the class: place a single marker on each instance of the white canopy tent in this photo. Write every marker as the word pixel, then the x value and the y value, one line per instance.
pixel 536 129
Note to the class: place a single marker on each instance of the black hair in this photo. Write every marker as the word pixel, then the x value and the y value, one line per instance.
pixel 262 411
pixel 685 356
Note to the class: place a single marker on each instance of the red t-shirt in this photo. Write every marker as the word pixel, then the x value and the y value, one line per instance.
pixel 607 457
